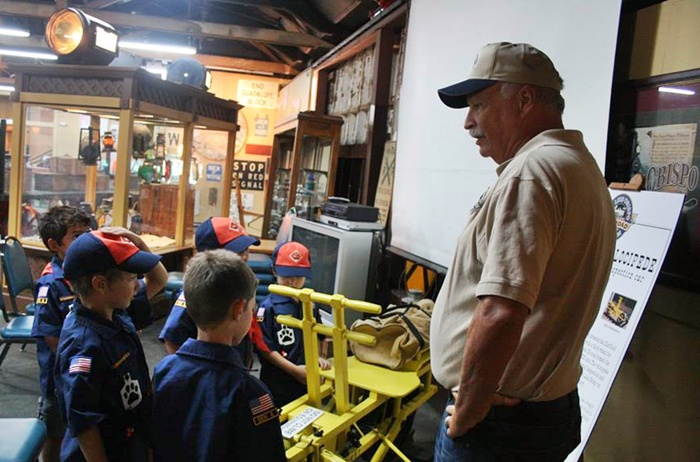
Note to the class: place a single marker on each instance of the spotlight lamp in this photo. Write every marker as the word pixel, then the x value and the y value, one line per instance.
pixel 78 38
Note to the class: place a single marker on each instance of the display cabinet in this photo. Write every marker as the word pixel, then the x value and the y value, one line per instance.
pixel 302 173
pixel 120 143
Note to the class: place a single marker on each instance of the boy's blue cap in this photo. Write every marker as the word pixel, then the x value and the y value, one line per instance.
pixel 223 233
pixel 96 251
pixel 292 259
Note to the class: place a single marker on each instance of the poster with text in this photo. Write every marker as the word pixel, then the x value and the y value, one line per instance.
pixel 645 225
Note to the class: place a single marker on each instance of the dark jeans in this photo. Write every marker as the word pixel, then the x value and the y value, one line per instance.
pixel 531 431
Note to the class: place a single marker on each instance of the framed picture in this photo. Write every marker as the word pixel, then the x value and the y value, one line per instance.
pixel 655 133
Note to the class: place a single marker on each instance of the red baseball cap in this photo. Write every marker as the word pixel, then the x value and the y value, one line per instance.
pixel 292 259
pixel 96 251
pixel 223 233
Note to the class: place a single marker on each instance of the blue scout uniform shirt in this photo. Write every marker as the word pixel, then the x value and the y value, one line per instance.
pixel 103 380
pixel 208 408
pixel 53 297
pixel 179 327
pixel 285 340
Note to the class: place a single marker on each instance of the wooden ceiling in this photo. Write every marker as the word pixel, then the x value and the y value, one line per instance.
pixel 276 37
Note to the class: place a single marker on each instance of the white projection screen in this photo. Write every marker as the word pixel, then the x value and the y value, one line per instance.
pixel 439 172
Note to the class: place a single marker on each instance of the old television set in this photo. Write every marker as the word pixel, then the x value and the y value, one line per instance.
pixel 340 262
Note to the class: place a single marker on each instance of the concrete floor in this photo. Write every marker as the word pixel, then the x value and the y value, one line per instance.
pixel 19 391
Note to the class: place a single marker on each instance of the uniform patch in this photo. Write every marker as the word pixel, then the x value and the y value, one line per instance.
pixel 181 302
pixel 121 360
pixel 80 365
pixel 285 336
pixel 263 409
pixel 41 295
pixel 260 315
pixel 130 392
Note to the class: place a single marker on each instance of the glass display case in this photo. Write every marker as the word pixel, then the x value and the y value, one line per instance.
pixel 120 143
pixel 304 158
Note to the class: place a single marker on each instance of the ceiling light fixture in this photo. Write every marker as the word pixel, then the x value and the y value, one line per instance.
pixel 27 54
pixel 676 91
pixel 9 88
pixel 159 47
pixel 79 38
pixel 12 32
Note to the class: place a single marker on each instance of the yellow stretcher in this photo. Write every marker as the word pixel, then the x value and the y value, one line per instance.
pixel 354 407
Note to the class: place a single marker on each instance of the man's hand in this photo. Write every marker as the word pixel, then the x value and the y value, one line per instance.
pixel 457 424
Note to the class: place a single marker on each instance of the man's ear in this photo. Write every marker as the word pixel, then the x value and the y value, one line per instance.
pixel 526 98
pixel 53 245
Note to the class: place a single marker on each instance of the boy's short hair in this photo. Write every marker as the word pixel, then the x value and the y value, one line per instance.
pixel 82 286
pixel 213 281
pixel 54 224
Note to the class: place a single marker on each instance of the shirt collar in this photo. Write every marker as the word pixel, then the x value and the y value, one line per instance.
pixel 211 351
pixel 57 266
pixel 99 324
pixel 555 136
pixel 277 299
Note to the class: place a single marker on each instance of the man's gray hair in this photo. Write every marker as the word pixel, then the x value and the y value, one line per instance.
pixel 213 281
pixel 546 96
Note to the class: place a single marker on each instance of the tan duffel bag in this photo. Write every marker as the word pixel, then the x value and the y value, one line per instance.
pixel 401 332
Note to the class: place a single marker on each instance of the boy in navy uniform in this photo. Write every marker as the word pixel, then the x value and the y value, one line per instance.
pixel 213 233
pixel 58 228
pixel 282 367
pixel 207 407
pixel 102 379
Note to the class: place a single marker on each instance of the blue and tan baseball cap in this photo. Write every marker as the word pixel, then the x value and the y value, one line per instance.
pixel 503 62
pixel 223 233
pixel 96 251
pixel 292 259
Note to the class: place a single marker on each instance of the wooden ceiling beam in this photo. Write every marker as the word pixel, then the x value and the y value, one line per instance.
pixel 99 4
pixel 248 65
pixel 197 28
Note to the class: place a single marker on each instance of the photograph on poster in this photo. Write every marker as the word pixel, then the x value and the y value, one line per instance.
pixel 619 310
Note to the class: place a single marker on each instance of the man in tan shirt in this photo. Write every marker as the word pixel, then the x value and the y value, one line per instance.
pixel 528 273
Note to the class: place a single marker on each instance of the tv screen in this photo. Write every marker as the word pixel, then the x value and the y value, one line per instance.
pixel 324 258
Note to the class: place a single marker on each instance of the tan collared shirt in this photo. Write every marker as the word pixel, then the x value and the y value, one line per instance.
pixel 544 236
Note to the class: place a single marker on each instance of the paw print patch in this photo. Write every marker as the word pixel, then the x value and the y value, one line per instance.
pixel 130 393
pixel 285 336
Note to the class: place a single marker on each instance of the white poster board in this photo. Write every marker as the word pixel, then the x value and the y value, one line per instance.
pixel 439 171
pixel 645 225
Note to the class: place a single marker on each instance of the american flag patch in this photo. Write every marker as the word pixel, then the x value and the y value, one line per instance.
pixel 263 409
pixel 80 365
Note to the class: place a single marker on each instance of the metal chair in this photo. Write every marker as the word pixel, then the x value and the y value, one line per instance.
pixel 18 330
pixel 18 274
pixel 21 440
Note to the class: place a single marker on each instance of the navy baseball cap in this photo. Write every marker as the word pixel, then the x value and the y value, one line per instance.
pixel 96 251
pixel 292 259
pixel 223 233
pixel 503 62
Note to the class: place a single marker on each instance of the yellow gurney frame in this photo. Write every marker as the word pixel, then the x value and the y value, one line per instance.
pixel 362 394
